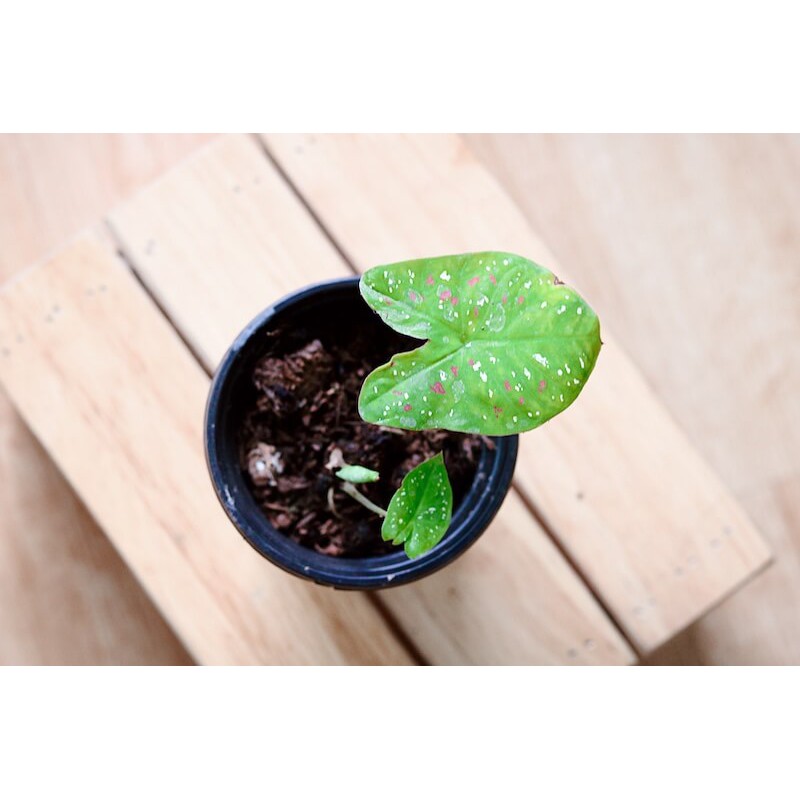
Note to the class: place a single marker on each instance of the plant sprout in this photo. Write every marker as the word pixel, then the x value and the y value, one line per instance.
pixel 508 346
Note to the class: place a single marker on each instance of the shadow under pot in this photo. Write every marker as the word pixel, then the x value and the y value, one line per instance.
pixel 331 325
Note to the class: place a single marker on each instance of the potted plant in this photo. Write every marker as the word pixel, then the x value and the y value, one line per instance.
pixel 360 478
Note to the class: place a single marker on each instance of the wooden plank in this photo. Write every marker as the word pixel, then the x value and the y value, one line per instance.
pixel 511 599
pixel 239 234
pixel 103 379
pixel 647 522
pixel 53 185
pixel 476 610
pixel 66 596
pixel 703 229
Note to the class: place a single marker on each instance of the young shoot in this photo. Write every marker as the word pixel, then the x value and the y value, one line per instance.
pixel 420 510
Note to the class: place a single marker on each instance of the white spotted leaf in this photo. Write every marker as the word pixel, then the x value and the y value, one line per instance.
pixel 509 345
pixel 419 513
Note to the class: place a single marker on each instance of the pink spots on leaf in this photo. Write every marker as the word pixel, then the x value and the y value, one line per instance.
pixel 387 301
pixel 475 312
pixel 397 393
pixel 505 299
pixel 521 401
pixel 493 279
pixel 520 300
pixel 542 385
pixel 438 388
pixel 473 281
pixel 498 411
pixel 429 280
pixel 412 295
pixel 454 301
pixel 445 295
pixel 407 407
pixel 454 370
pixel 471 362
pixel 507 386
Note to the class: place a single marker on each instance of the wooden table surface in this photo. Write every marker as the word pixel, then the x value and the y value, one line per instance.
pixel 613 209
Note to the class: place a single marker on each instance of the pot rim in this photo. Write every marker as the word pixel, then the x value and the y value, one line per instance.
pixel 483 500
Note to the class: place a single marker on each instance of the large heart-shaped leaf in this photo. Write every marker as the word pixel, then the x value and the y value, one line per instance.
pixel 510 346
pixel 419 512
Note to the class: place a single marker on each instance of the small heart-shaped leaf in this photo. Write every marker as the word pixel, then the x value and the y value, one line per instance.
pixel 357 474
pixel 419 513
pixel 509 346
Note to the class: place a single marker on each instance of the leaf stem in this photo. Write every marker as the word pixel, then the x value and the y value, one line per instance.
pixel 348 488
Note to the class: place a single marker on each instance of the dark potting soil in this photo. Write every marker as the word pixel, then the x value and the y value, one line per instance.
pixel 304 408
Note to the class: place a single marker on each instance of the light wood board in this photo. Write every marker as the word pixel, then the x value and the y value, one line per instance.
pixel 218 239
pixel 66 597
pixel 650 527
pixel 103 379
pixel 692 244
pixel 512 598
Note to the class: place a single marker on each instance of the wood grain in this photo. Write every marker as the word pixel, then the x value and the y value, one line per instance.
pixel 52 186
pixel 66 597
pixel 511 599
pixel 103 379
pixel 691 245
pixel 220 238
pixel 517 603
pixel 648 524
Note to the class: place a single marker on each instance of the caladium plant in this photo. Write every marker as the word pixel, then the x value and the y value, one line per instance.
pixel 508 346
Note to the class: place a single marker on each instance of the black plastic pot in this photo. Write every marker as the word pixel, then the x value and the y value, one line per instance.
pixel 230 392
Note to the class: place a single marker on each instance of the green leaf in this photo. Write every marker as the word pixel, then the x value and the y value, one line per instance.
pixel 420 511
pixel 356 474
pixel 510 346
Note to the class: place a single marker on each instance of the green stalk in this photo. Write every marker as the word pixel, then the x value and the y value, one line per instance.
pixel 348 488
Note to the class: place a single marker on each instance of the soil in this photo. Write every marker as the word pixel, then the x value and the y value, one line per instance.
pixel 304 408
